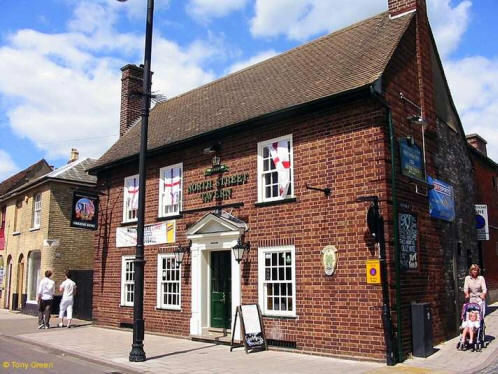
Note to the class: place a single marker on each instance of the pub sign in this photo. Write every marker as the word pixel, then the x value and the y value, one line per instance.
pixel 412 164
pixel 85 211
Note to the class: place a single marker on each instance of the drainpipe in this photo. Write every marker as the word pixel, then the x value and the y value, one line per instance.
pixel 397 267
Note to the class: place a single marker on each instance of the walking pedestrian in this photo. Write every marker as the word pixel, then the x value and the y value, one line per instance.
pixel 475 288
pixel 68 287
pixel 45 297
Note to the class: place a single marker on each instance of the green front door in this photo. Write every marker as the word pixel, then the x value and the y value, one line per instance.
pixel 221 296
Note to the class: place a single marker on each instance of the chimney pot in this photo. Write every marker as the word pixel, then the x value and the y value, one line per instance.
pixel 74 155
pixel 131 99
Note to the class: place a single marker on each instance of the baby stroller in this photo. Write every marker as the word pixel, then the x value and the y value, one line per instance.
pixel 480 334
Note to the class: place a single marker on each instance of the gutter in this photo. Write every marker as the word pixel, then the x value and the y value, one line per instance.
pixel 397 265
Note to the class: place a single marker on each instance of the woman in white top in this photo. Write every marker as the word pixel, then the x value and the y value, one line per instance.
pixel 475 288
pixel 68 287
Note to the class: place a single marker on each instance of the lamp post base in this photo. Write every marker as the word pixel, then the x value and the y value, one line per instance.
pixel 137 353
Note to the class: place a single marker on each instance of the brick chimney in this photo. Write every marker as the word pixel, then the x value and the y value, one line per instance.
pixel 74 155
pixel 397 7
pixel 478 143
pixel 131 101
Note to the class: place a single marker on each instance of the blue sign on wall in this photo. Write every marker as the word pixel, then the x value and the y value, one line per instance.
pixel 412 164
pixel 441 200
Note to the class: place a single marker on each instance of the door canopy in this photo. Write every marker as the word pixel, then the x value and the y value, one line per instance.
pixel 217 223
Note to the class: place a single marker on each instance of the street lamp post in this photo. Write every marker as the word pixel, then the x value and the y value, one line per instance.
pixel 137 353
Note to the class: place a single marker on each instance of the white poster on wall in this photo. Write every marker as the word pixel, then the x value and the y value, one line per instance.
pixel 158 233
pixel 482 226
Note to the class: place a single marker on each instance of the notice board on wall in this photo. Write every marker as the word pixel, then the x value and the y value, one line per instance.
pixel 253 333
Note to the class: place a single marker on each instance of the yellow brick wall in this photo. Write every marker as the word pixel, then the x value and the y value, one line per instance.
pixel 75 249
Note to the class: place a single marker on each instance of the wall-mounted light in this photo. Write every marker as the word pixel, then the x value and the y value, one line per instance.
pixel 239 249
pixel 418 120
pixel 180 251
pixel 216 147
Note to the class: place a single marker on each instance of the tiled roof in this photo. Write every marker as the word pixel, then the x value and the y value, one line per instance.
pixel 39 168
pixel 350 58
pixel 75 171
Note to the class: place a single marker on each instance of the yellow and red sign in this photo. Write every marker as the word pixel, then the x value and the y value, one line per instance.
pixel 373 271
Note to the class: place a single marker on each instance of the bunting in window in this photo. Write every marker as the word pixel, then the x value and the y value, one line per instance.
pixel 279 152
pixel 172 184
pixel 132 193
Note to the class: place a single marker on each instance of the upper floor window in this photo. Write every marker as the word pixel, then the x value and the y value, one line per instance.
pixel 17 218
pixel 275 169
pixel 170 190
pixel 36 211
pixel 130 199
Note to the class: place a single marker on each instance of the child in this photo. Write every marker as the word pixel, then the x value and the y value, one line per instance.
pixel 469 326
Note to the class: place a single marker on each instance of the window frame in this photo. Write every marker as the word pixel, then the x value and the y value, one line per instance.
pixel 36 211
pixel 160 282
pixel 17 217
pixel 262 251
pixel 160 210
pixel 125 198
pixel 261 185
pixel 124 260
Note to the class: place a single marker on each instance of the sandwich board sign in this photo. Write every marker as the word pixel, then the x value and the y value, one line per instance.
pixel 482 226
pixel 253 332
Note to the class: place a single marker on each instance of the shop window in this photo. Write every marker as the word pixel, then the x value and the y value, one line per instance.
pixel 170 190
pixel 34 263
pixel 130 199
pixel 277 281
pixel 36 211
pixel 127 280
pixel 275 169
pixel 168 282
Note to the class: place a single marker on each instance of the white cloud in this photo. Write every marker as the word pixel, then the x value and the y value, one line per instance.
pixel 7 166
pixel 203 10
pixel 251 61
pixel 474 86
pixel 448 23
pixel 300 20
pixel 63 90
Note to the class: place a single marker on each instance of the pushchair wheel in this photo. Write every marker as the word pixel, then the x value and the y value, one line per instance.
pixel 458 345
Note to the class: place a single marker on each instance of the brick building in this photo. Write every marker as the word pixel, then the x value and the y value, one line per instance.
pixel 38 235
pixel 486 193
pixel 335 113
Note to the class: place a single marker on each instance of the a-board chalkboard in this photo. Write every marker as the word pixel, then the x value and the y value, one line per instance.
pixel 253 333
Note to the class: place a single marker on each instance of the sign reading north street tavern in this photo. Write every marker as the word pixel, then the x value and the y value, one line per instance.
pixel 207 188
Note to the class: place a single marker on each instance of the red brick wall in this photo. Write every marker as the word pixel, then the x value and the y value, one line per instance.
pixel 342 148
pixel 487 193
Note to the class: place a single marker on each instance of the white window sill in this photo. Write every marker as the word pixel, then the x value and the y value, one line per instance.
pixel 34 228
pixel 16 233
pixel 178 308
pixel 275 201
pixel 271 315
pixel 127 223
pixel 126 305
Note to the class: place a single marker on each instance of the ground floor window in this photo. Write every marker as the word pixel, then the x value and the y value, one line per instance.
pixel 277 280
pixel 127 280
pixel 34 263
pixel 168 282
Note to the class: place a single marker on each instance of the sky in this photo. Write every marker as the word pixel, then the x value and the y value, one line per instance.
pixel 60 60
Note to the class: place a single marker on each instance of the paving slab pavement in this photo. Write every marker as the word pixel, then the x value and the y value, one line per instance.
pixel 174 355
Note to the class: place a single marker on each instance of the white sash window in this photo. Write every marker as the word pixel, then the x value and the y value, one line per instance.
pixel 36 210
pixel 127 280
pixel 277 280
pixel 275 169
pixel 130 199
pixel 168 282
pixel 170 190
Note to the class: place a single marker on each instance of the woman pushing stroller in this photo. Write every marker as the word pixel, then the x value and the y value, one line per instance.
pixel 474 310
pixel 475 288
